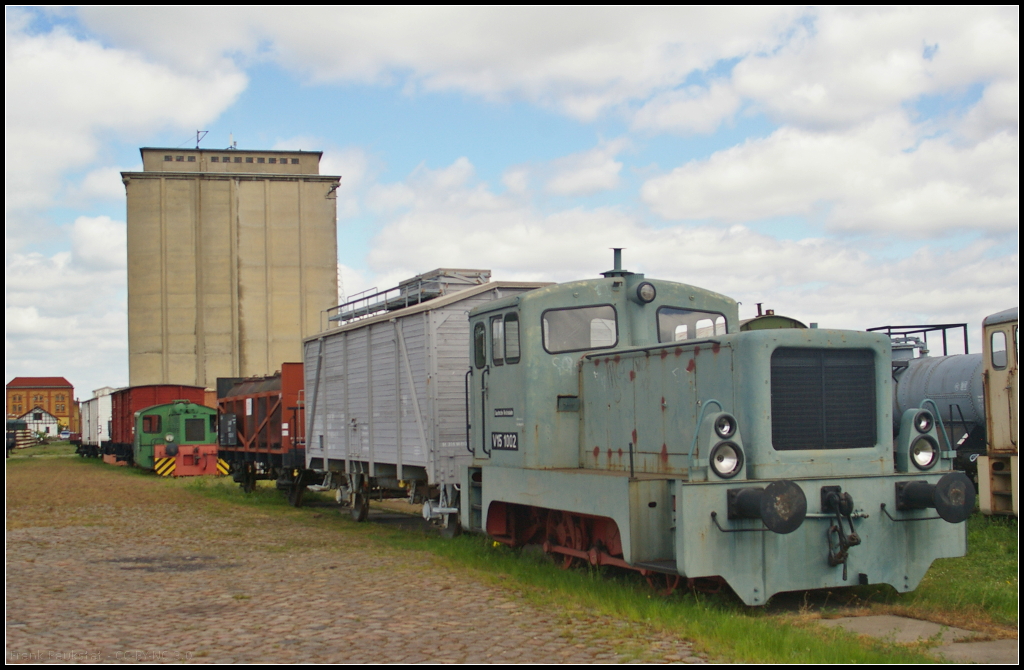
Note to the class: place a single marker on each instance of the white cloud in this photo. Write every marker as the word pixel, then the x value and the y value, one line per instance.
pixel 103 183
pixel 586 172
pixel 693 109
pixel 100 243
pixel 67 314
pixel 830 281
pixel 851 64
pixel 516 180
pixel 64 93
pixel 829 67
pixel 877 177
pixel 997 112
pixel 606 57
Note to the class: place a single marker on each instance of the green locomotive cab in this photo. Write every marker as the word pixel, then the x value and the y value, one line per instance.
pixel 177 439
pixel 628 421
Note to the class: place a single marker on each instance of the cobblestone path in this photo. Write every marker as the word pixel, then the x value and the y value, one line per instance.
pixel 169 575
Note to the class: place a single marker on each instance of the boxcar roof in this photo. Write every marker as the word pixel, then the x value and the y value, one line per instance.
pixel 429 305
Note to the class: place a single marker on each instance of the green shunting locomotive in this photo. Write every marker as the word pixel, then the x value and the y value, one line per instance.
pixel 628 421
pixel 177 439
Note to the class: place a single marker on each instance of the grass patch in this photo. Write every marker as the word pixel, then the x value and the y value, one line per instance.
pixel 719 625
pixel 51 450
pixel 977 591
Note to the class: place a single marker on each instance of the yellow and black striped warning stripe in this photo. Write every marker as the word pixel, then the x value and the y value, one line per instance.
pixel 164 466
pixel 223 467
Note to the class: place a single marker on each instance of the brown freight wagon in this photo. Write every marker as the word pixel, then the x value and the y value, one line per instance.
pixel 127 401
pixel 262 430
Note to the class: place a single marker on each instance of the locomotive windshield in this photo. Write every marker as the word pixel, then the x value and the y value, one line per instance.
pixel 675 324
pixel 579 328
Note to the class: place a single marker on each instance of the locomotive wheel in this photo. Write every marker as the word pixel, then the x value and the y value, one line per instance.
pixel 360 507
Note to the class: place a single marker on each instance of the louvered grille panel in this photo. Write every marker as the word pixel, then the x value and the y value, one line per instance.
pixel 195 430
pixel 823 399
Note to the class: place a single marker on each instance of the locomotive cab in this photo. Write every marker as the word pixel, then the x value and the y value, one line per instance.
pixel 629 421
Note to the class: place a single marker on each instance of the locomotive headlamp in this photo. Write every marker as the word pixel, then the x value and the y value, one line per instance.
pixel 924 421
pixel 725 426
pixel 646 292
pixel 169 437
pixel 924 452
pixel 726 459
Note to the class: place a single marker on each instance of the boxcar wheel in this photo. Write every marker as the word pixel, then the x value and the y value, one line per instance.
pixel 297 489
pixel 360 507
pixel 249 478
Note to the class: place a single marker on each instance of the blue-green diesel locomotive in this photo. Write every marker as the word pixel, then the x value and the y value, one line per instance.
pixel 627 421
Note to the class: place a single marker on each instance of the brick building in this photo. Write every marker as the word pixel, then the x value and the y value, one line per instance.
pixel 55 395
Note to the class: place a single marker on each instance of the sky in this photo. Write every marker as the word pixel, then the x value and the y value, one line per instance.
pixel 853 167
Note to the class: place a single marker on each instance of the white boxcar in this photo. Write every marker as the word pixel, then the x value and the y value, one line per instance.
pixel 96 418
pixel 385 390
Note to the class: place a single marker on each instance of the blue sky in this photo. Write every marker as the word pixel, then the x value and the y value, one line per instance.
pixel 853 167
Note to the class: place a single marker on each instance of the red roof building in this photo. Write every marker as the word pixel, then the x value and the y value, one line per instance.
pixel 56 395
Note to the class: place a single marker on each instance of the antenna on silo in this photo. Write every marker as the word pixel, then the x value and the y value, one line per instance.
pixel 232 144
pixel 200 134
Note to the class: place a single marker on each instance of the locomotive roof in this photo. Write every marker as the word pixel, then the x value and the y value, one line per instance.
pixel 555 289
pixel 433 304
pixel 1005 316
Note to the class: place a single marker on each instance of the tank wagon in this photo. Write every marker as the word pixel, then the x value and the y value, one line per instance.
pixel 262 424
pixel 386 395
pixel 178 439
pixel 975 396
pixel 628 421
pixel 124 403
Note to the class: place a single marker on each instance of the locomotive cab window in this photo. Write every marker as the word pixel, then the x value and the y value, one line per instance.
pixel 151 423
pixel 480 345
pixel 579 329
pixel 676 324
pixel 497 340
pixel 998 343
pixel 511 338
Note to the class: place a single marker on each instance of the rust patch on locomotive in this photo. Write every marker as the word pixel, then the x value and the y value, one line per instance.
pixel 632 375
pixel 691 366
pixel 716 347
